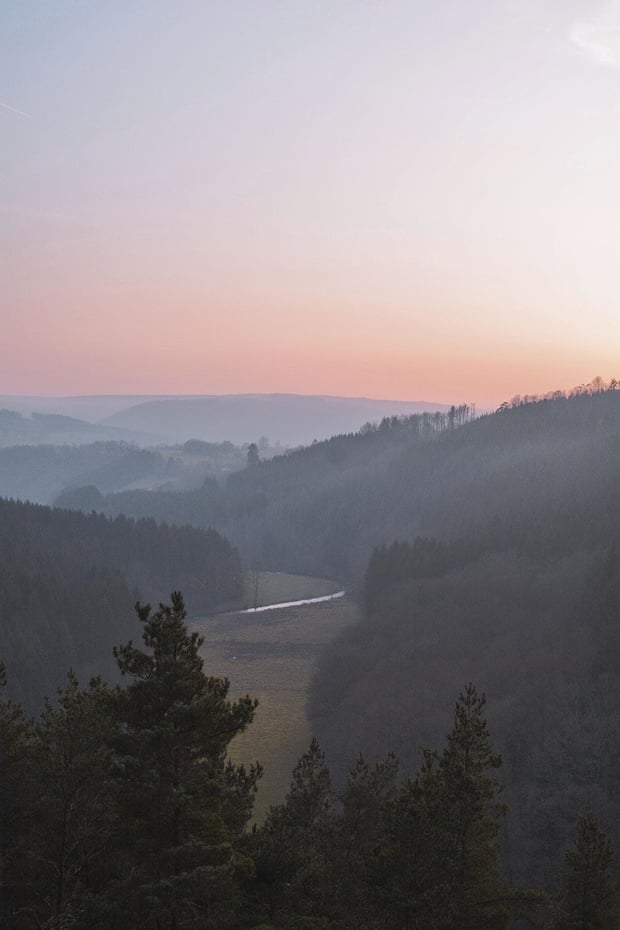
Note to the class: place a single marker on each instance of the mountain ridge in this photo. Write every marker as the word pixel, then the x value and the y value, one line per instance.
pixel 290 419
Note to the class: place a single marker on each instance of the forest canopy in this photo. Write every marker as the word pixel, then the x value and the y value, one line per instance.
pixel 68 582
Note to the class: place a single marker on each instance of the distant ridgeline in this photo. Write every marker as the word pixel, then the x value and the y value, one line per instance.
pixel 68 583
pixel 52 428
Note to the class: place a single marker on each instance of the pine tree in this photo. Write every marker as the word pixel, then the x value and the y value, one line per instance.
pixel 16 806
pixel 589 896
pixel 75 800
pixel 420 854
pixel 462 791
pixel 364 867
pixel 181 806
pixel 292 848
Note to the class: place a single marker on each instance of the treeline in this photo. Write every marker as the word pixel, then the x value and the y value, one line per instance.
pixel 402 562
pixel 598 385
pixel 119 808
pixel 68 582
pixel 422 424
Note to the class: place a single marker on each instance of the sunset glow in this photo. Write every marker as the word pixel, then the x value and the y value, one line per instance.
pixel 398 200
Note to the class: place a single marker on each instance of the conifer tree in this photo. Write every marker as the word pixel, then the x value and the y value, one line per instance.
pixel 179 802
pixel 74 804
pixel 16 758
pixel 292 848
pixel 364 868
pixel 420 854
pixel 589 896
pixel 462 791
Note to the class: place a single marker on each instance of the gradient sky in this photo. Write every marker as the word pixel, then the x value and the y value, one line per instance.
pixel 405 199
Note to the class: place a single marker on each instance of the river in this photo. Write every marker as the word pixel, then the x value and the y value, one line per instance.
pixel 283 604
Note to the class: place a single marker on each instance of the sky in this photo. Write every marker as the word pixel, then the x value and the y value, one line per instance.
pixel 397 199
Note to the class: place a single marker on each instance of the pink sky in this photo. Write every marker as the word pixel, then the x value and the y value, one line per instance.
pixel 378 199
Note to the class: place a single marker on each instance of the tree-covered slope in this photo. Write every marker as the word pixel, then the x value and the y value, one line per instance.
pixel 68 581
pixel 297 511
pixel 39 473
pixel 323 509
pixel 521 593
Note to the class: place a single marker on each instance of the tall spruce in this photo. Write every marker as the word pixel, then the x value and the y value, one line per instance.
pixel 589 895
pixel 463 789
pixel 292 849
pixel 16 808
pixel 74 805
pixel 442 834
pixel 181 805
pixel 365 860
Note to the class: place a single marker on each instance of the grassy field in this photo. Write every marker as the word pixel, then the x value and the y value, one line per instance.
pixel 271 656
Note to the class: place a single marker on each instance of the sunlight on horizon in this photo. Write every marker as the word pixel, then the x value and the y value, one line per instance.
pixel 363 200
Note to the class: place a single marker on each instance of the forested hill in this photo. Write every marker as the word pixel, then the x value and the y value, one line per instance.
pixel 295 511
pixel 56 429
pixel 41 473
pixel 522 595
pixel 68 583
pixel 324 508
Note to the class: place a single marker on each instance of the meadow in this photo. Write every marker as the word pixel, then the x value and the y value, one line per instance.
pixel 271 655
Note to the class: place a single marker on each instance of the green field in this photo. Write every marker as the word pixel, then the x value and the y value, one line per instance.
pixel 271 656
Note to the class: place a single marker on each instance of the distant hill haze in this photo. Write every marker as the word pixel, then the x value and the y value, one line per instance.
pixel 92 407
pixel 291 419
pixel 59 429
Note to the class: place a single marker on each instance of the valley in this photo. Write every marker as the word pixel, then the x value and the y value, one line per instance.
pixel 350 591
pixel 272 656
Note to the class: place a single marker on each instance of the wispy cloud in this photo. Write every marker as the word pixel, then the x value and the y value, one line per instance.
pixel 599 37
pixel 5 106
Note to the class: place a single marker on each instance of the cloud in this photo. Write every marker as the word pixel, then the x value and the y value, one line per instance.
pixel 5 106
pixel 599 38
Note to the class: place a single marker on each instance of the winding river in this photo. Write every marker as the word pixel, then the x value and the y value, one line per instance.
pixel 283 604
